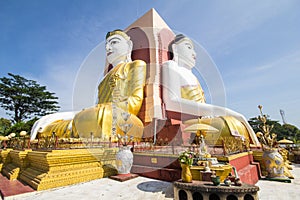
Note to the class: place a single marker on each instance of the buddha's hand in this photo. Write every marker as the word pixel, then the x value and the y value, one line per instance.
pixel 118 97
pixel 113 80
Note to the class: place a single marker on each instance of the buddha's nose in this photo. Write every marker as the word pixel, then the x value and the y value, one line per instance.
pixel 194 55
pixel 107 47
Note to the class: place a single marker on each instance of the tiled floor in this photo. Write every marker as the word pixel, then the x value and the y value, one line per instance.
pixel 145 188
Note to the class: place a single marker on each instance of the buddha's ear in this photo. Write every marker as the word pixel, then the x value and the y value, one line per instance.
pixel 130 45
pixel 175 53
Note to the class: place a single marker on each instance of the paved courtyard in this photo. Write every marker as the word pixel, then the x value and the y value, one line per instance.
pixel 145 188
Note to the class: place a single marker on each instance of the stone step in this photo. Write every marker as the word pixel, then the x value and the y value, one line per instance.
pixel 11 171
pixel 165 174
pixel 249 174
pixel 11 188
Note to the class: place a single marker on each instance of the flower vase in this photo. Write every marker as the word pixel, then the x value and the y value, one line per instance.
pixel 124 159
pixel 186 174
pixel 216 180
pixel 273 163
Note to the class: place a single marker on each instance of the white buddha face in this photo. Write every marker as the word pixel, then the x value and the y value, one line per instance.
pixel 186 53
pixel 118 49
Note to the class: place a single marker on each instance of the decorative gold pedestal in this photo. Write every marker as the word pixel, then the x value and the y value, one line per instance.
pixel 56 168
pixel 15 164
pixel 221 170
pixel 4 157
pixel 257 156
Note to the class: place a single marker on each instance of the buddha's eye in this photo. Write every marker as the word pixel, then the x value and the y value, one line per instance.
pixel 189 46
pixel 114 42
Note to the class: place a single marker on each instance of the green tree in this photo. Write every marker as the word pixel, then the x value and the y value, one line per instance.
pixel 290 132
pixel 25 99
pixel 21 126
pixel 5 124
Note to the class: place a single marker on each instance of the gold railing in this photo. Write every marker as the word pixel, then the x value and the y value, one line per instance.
pixel 235 145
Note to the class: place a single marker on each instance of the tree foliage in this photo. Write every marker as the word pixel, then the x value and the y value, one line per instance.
pixel 291 132
pixel 5 124
pixel 24 98
pixel 21 126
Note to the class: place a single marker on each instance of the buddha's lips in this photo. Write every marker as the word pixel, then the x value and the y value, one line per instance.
pixel 109 53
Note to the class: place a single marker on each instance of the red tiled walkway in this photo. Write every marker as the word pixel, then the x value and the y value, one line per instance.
pixel 10 188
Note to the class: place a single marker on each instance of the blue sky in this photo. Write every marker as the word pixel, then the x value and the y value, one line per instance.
pixel 254 44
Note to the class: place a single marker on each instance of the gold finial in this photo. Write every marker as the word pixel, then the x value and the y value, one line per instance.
pixel 266 137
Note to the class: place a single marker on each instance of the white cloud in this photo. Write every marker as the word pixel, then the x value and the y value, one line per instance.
pixel 283 70
pixel 60 79
pixel 58 76
pixel 291 61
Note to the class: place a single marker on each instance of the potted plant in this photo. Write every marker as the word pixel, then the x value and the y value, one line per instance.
pixel 186 159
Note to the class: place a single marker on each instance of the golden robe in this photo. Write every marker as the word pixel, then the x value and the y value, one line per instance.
pixel 229 126
pixel 61 128
pixel 123 85
pixel 193 93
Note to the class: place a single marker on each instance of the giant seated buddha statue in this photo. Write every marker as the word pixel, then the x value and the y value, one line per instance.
pixel 182 93
pixel 120 96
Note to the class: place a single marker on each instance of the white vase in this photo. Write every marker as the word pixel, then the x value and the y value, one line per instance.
pixel 124 160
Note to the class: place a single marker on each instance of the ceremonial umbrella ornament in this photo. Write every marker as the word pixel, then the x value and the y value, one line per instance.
pixel 200 127
pixel 193 121
pixel 23 133
pixel 285 141
pixel 12 135
pixel 4 138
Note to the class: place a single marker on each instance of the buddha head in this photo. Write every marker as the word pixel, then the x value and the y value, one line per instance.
pixel 118 47
pixel 182 51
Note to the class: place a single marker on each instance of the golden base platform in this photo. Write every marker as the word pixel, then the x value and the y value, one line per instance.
pixel 55 168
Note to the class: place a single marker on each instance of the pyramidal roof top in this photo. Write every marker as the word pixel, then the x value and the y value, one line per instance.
pixel 150 19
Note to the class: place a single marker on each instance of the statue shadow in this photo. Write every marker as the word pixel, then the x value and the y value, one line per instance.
pixel 165 188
